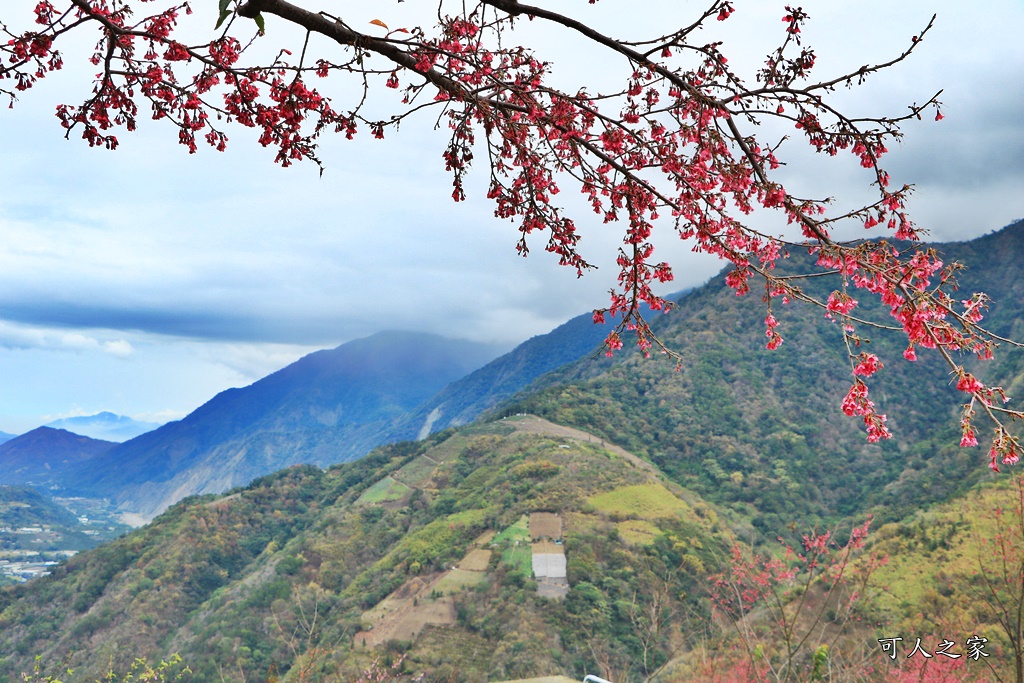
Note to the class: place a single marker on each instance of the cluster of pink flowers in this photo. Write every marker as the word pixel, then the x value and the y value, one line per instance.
pixel 856 402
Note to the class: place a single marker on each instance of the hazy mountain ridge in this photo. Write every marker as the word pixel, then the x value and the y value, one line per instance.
pixel 465 399
pixel 5 437
pixel 328 407
pixel 105 425
pixel 42 456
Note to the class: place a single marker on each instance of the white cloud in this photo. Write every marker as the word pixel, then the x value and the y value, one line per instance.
pixel 159 416
pixel 119 348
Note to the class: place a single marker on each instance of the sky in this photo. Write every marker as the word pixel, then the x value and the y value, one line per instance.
pixel 144 281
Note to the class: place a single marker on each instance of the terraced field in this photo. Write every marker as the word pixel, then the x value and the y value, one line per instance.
pixel 515 546
pixel 638 531
pixel 644 501
pixel 416 473
pixel 384 491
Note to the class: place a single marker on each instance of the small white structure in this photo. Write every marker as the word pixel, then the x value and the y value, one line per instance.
pixel 549 566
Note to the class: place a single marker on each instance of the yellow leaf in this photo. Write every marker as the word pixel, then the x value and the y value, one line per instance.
pixel 378 22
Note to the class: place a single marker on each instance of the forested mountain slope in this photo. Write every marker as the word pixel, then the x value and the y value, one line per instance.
pixel 464 400
pixel 232 582
pixel 763 430
pixel 414 548
pixel 43 456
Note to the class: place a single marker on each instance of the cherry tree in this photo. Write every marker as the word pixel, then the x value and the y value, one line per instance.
pixel 677 145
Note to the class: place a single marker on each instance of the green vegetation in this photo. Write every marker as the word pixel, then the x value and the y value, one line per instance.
pixel 387 489
pixel 740 444
pixel 646 501
pixel 637 531
pixel 514 544
pixel 417 472
pixel 760 433
pixel 230 582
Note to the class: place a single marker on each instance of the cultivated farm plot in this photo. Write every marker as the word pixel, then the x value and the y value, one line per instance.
pixel 385 490
pixel 423 600
pixel 407 623
pixel 485 538
pixel 637 531
pixel 545 525
pixel 405 594
pixel 515 544
pixel 457 580
pixel 547 548
pixel 417 472
pixel 476 560
pixel 519 557
pixel 520 531
pixel 646 501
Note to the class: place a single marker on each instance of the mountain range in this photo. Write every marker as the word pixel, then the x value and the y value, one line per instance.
pixel 336 405
pixel 655 473
pixel 328 407
pixel 43 457
pixel 106 426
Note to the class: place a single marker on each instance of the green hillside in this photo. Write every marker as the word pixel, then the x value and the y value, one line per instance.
pixel 761 432
pixel 21 506
pixel 332 569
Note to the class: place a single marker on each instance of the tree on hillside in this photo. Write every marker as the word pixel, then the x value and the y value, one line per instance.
pixel 675 145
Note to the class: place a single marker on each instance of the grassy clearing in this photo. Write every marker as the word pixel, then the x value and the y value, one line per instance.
pixel 520 531
pixel 476 560
pixel 520 558
pixel 458 580
pixel 646 501
pixel 927 548
pixel 637 531
pixel 387 489
pixel 417 472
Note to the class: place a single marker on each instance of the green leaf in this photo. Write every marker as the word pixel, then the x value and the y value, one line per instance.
pixel 259 23
pixel 224 13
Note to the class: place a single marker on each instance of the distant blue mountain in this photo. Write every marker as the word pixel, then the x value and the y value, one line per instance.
pixel 105 425
pixel 5 437
pixel 42 457
pixel 328 407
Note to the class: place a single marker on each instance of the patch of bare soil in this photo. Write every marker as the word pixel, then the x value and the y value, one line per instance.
pixel 485 538
pixel 545 525
pixel 546 548
pixel 408 621
pixel 404 614
pixel 476 561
